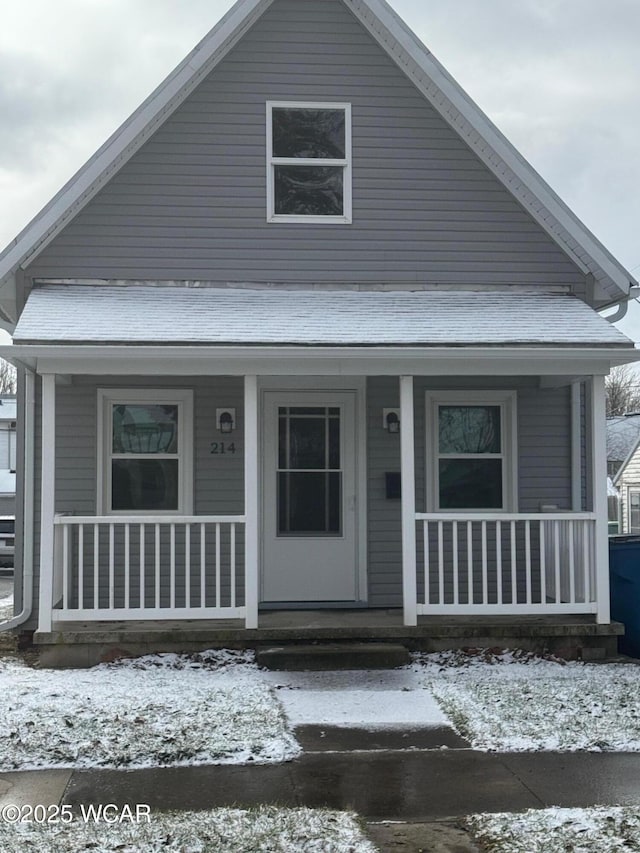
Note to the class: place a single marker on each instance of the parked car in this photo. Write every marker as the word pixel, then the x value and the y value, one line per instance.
pixel 7 540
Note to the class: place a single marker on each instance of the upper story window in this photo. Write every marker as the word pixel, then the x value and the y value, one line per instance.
pixel 308 162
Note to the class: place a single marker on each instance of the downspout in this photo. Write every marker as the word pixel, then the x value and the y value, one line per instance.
pixel 28 508
pixel 623 307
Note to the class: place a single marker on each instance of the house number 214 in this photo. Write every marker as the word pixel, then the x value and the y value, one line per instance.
pixel 220 448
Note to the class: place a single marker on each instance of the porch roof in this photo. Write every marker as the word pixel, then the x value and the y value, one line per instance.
pixel 170 315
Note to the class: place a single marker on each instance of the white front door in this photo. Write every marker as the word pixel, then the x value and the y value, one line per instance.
pixel 309 497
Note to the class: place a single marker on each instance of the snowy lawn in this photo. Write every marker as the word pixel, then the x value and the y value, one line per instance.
pixel 221 830
pixel 517 702
pixel 161 710
pixel 6 608
pixel 596 830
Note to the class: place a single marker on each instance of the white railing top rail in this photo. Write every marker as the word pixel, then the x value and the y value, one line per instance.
pixel 506 516
pixel 148 519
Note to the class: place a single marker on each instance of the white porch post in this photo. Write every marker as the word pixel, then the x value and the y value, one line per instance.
pixel 576 448
pixel 47 501
pixel 251 501
pixel 408 481
pixel 599 497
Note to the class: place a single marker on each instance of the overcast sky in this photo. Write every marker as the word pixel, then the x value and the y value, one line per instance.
pixel 561 78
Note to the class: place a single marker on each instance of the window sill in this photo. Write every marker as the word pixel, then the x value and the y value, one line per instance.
pixel 310 220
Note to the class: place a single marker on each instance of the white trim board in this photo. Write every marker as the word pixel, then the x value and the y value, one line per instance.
pixel 317 361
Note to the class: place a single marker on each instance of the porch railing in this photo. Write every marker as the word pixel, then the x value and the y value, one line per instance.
pixel 538 563
pixel 151 567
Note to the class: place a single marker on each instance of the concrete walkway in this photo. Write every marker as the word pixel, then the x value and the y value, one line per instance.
pixel 414 785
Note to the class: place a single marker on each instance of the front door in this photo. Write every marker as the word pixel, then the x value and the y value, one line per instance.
pixel 309 497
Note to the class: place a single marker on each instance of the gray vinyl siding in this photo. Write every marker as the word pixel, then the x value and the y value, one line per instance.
pixel 8 505
pixel 384 545
pixel 191 204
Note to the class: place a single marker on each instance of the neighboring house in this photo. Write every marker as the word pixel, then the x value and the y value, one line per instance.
pixel 8 418
pixel 627 483
pixel 307 333
pixel 623 433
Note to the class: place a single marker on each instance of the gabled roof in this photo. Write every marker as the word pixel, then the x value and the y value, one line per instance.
pixel 623 439
pixel 218 316
pixel 612 281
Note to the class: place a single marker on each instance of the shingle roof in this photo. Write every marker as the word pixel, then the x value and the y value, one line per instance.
pixel 622 436
pixel 243 316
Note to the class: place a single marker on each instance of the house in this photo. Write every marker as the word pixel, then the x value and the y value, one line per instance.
pixel 627 483
pixel 623 432
pixel 7 454
pixel 7 480
pixel 308 345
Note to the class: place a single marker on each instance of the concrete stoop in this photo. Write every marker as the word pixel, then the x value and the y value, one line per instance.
pixel 332 656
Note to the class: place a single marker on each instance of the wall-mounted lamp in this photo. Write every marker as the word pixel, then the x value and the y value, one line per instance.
pixel 226 420
pixel 391 420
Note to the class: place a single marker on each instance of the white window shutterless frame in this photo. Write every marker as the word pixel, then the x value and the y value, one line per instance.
pixel 145 451
pixel 633 510
pixel 471 451
pixel 309 162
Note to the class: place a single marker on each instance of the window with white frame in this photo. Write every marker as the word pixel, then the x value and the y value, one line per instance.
pixel 471 451
pixel 308 162
pixel 634 510
pixel 145 451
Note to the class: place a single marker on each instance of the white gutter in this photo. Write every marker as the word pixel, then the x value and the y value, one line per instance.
pixel 28 508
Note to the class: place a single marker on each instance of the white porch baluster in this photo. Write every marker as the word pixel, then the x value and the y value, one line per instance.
pixel 163 559
pixel 558 567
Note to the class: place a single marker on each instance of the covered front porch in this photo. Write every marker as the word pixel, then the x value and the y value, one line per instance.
pixel 134 568
pixel 345 451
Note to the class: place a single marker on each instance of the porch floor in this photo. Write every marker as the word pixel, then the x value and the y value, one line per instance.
pixel 86 643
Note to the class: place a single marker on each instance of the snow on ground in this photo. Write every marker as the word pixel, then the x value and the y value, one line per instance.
pixel 165 710
pixel 369 699
pixel 516 702
pixel 6 608
pixel 595 830
pixel 221 830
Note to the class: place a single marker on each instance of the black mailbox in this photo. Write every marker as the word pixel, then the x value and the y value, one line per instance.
pixel 393 490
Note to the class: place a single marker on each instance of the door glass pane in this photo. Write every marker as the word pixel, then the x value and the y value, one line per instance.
pixel 309 133
pixel 309 503
pixel 469 429
pixel 144 484
pixel 309 478
pixel 307 443
pixel 470 484
pixel 309 190
pixel 145 429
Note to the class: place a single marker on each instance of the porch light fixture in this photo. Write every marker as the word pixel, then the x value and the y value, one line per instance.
pixel 226 420
pixel 391 420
